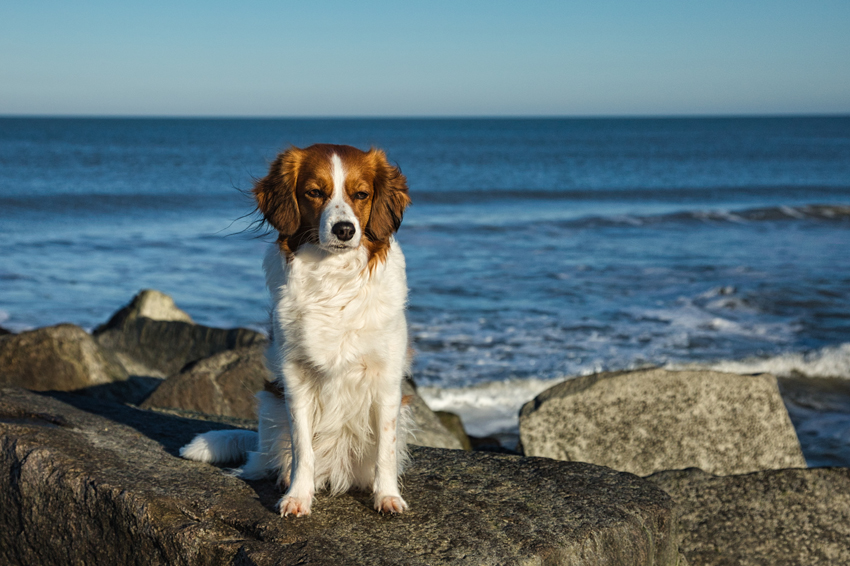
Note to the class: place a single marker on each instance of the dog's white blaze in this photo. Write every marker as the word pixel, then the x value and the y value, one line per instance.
pixel 337 209
pixel 338 174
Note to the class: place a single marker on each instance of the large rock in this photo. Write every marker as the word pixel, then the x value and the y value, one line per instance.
pixel 778 517
pixel 651 420
pixel 225 384
pixel 62 357
pixel 160 348
pixel 99 483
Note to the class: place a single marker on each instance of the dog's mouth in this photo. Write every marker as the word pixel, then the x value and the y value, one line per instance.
pixel 337 247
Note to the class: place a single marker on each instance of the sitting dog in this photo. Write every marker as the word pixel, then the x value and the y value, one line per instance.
pixel 332 416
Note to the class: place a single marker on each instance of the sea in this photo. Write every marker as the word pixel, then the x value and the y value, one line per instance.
pixel 537 249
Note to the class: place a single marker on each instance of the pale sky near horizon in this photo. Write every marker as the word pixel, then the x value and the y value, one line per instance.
pixel 415 58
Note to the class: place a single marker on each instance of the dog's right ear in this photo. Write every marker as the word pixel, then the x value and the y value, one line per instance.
pixel 275 193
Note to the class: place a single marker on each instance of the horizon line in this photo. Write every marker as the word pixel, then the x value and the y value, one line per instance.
pixel 727 115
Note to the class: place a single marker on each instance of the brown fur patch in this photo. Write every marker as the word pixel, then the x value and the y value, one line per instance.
pixel 377 253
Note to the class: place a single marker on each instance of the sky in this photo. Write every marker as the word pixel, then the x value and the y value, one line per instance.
pixel 424 58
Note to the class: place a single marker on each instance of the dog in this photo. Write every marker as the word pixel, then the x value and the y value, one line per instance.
pixel 332 416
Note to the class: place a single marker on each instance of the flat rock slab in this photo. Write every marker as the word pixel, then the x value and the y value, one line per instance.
pixel 777 518
pixel 87 481
pixel 651 420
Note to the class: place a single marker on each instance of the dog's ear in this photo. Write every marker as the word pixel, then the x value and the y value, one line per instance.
pixel 275 193
pixel 390 198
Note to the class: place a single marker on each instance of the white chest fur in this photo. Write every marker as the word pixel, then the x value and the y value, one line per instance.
pixel 334 314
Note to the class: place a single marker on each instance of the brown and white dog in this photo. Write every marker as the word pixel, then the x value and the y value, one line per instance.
pixel 333 416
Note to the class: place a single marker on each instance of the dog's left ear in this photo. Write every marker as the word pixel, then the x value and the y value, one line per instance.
pixel 390 198
pixel 275 193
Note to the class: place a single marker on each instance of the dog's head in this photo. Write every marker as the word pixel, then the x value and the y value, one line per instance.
pixel 335 196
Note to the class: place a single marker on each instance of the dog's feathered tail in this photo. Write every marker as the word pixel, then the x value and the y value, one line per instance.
pixel 221 446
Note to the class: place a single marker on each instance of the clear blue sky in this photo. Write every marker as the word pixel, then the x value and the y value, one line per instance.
pixel 424 58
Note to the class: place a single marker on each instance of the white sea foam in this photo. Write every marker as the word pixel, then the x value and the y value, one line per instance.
pixel 831 361
pixel 487 408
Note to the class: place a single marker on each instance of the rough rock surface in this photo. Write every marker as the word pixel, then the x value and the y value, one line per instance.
pixel 791 517
pixel 160 348
pixel 225 384
pixel 429 430
pixel 651 420
pixel 454 425
pixel 153 304
pixel 62 357
pixel 98 483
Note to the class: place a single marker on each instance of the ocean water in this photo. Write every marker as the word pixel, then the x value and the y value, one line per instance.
pixel 536 249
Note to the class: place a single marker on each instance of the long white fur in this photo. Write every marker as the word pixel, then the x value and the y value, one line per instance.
pixel 339 353
pixel 221 446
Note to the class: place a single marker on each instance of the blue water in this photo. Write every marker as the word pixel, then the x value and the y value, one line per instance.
pixel 536 248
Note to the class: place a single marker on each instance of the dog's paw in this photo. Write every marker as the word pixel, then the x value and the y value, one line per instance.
pixel 298 506
pixel 390 504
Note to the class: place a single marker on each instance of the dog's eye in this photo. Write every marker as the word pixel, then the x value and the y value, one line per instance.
pixel 361 195
pixel 315 193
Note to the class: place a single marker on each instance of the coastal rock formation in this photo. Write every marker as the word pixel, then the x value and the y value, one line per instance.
pixel 225 384
pixel 153 304
pixel 429 430
pixel 62 357
pixel 779 517
pixel 454 425
pixel 86 481
pixel 222 384
pixel 160 348
pixel 651 420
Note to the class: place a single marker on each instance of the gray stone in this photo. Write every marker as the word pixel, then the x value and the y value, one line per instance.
pixel 454 425
pixel 62 357
pixel 223 384
pixel 99 483
pixel 160 348
pixel 792 517
pixel 651 420
pixel 153 304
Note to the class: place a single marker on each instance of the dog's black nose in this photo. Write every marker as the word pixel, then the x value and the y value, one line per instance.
pixel 343 230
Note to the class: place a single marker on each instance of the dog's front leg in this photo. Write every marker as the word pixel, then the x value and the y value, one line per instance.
pixel 299 496
pixel 387 496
